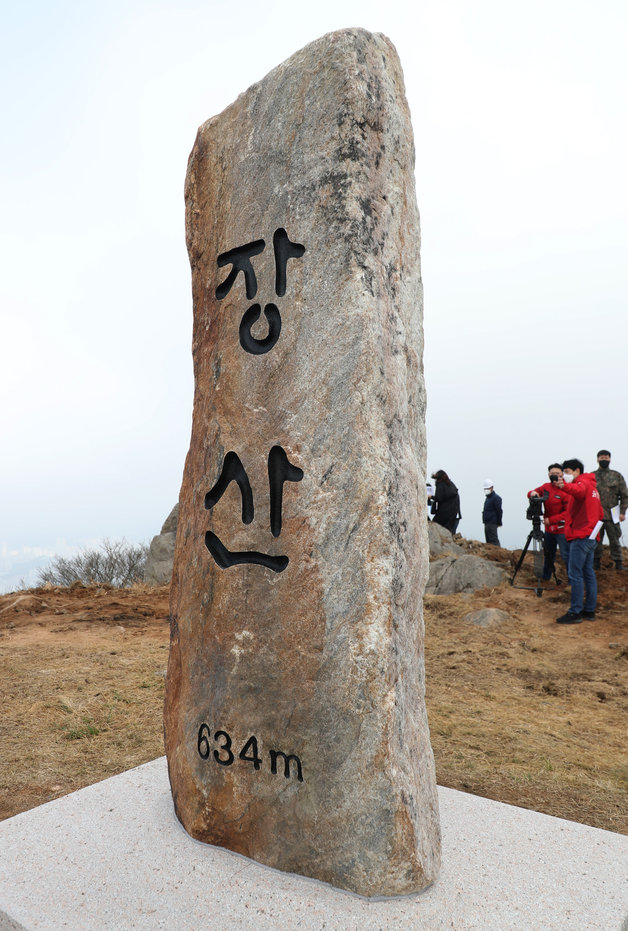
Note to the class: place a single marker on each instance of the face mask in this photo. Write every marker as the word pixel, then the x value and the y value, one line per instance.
pixel 487 492
pixel 567 478
pixel 603 463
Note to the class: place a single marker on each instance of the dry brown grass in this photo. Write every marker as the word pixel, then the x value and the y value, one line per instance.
pixel 81 684
pixel 527 713
pixel 530 713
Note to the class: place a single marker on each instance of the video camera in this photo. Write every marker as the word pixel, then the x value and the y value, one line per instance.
pixel 535 537
pixel 535 507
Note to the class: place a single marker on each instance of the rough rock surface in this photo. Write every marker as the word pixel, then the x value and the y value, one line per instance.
pixel 488 617
pixel 452 574
pixel 295 722
pixel 441 541
pixel 158 568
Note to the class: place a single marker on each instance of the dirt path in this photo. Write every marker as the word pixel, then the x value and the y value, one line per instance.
pixel 526 712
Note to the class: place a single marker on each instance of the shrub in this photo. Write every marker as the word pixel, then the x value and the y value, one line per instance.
pixel 115 563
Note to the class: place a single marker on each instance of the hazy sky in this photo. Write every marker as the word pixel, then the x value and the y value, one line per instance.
pixel 519 114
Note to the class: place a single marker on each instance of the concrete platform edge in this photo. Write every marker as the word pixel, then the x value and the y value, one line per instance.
pixel 113 856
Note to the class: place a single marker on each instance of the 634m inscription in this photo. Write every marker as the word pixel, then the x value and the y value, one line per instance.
pixel 224 755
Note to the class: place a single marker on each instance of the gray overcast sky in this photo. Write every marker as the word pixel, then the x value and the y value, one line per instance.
pixel 519 114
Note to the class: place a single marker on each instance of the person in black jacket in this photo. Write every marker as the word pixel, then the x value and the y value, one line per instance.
pixel 445 502
pixel 492 513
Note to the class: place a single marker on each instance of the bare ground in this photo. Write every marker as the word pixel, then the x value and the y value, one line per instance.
pixel 528 712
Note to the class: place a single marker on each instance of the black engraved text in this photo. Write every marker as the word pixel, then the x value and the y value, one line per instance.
pixel 223 754
pixel 280 470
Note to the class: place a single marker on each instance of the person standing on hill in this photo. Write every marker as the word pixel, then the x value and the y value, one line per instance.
pixel 492 513
pixel 445 502
pixel 554 516
pixel 613 491
pixel 584 519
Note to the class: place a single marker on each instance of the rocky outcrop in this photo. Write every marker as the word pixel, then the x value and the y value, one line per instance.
pixel 450 575
pixel 488 617
pixel 295 720
pixel 158 568
pixel 453 570
pixel 441 541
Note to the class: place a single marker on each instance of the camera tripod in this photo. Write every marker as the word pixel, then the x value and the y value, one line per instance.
pixel 535 537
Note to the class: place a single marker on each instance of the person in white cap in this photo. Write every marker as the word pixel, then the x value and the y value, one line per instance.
pixel 492 513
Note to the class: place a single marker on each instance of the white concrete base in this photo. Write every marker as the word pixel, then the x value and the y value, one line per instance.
pixel 113 856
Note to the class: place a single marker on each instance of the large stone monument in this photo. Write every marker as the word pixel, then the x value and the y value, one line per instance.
pixel 295 722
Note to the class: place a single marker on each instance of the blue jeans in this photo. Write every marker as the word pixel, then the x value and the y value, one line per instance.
pixel 550 542
pixel 581 575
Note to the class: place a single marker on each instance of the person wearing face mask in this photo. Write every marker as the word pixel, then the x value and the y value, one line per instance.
pixel 613 491
pixel 445 502
pixel 492 513
pixel 554 516
pixel 583 521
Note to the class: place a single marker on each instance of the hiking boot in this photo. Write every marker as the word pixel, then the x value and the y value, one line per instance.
pixel 570 618
pixel 588 615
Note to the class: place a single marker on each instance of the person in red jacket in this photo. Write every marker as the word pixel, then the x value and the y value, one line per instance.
pixel 584 519
pixel 555 513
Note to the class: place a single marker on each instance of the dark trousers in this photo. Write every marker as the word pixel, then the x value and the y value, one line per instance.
pixel 490 534
pixel 550 542
pixel 613 532
pixel 581 575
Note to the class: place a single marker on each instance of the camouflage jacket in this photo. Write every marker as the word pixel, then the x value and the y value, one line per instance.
pixel 612 488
